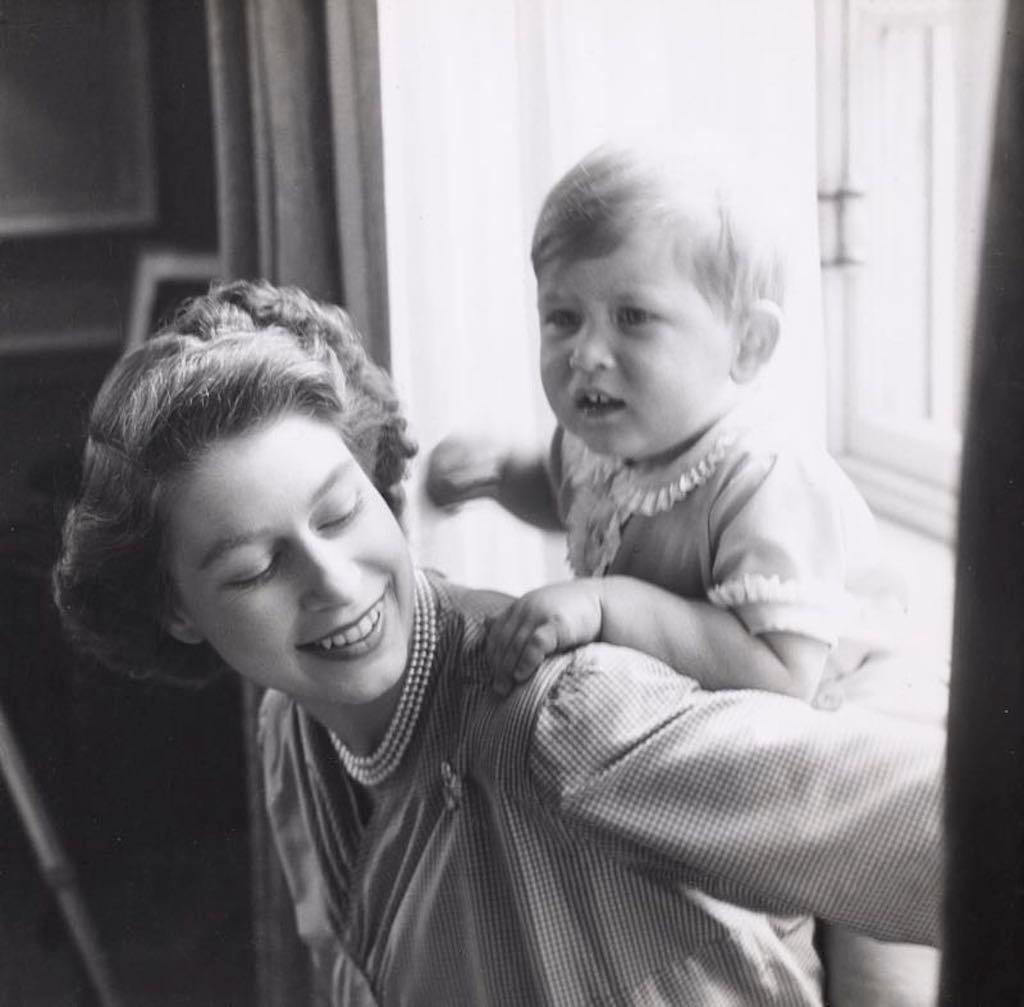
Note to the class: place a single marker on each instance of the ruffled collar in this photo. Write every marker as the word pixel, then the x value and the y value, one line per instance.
pixel 607 491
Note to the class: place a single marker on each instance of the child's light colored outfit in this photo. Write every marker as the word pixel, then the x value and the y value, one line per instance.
pixel 754 520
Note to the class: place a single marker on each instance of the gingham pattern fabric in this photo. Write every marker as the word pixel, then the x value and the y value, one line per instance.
pixel 569 845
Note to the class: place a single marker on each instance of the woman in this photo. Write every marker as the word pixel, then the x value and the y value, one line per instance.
pixel 566 845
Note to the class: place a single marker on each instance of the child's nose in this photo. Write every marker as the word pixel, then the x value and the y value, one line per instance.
pixel 591 350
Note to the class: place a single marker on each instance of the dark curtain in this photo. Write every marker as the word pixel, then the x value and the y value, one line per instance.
pixel 983 961
pixel 296 96
pixel 296 102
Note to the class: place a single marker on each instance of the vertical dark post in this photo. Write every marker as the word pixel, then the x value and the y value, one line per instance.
pixel 983 961
pixel 54 865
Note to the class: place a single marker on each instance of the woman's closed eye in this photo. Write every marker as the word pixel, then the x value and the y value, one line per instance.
pixel 249 574
pixel 256 575
pixel 340 515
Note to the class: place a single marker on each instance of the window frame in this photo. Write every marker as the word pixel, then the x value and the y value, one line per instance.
pixel 908 469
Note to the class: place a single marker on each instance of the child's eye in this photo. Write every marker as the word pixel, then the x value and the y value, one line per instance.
pixel 630 316
pixel 561 320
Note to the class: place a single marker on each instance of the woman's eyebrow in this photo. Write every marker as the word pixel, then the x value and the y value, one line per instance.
pixel 228 543
pixel 221 546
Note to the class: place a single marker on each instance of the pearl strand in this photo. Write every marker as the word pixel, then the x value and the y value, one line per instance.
pixel 376 767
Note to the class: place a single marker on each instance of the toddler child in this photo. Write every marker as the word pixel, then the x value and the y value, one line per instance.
pixel 700 529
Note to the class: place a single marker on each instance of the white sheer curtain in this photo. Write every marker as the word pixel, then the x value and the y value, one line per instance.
pixel 484 105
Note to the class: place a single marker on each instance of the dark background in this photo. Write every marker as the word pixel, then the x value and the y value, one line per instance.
pixel 145 784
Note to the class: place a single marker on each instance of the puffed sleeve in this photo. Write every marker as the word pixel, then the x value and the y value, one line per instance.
pixel 779 547
pixel 756 798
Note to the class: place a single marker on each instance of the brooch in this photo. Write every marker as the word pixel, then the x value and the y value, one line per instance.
pixel 452 783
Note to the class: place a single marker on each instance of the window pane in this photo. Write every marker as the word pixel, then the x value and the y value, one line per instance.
pixel 922 80
pixel 897 149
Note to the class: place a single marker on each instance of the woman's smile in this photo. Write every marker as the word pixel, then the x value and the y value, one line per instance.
pixel 353 639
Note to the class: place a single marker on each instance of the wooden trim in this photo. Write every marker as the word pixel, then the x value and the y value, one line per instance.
pixel 156 265
pixel 41 344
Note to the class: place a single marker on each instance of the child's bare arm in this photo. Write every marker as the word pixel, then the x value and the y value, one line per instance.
pixel 707 643
pixel 474 468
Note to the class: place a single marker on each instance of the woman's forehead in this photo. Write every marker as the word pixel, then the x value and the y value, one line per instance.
pixel 270 473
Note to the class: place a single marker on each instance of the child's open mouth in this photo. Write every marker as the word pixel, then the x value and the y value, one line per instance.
pixel 596 404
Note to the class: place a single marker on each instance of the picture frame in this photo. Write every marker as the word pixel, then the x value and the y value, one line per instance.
pixel 75 118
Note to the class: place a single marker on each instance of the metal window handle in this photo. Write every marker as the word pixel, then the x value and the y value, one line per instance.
pixel 839 226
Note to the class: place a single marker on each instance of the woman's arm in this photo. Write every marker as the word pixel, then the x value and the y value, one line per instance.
pixel 756 798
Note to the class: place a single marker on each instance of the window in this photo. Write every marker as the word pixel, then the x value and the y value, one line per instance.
pixel 905 100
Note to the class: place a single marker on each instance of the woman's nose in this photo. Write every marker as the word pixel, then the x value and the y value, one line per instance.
pixel 330 576
pixel 591 350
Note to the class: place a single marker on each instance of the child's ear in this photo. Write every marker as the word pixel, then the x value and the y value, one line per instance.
pixel 178 623
pixel 757 338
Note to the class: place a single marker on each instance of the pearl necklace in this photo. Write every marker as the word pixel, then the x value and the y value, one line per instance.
pixel 376 767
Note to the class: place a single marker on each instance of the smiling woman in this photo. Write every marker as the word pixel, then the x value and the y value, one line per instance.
pixel 573 843
pixel 141 444
pixel 287 562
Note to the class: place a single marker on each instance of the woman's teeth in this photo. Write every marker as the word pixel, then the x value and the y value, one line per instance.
pixel 352 634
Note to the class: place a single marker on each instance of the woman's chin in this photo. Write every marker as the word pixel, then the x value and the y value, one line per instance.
pixel 370 669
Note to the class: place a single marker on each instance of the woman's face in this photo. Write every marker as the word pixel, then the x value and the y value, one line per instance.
pixel 288 562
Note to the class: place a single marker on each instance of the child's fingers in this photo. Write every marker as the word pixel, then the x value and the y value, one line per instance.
pixel 534 640
pixel 459 470
pixel 443 487
pixel 514 648
pixel 542 642
pixel 444 475
pixel 518 639
pixel 499 644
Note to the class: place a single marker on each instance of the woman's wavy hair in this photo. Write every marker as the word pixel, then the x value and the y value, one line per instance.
pixel 230 360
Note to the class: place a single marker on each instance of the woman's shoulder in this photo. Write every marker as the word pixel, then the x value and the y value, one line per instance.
pixel 463 613
pixel 585 694
pixel 277 733
pixel 471 603
pixel 274 708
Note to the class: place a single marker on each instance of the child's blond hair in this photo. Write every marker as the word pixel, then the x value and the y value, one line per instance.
pixel 726 240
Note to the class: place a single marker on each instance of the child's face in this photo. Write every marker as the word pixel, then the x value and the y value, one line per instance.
pixel 634 360
pixel 285 559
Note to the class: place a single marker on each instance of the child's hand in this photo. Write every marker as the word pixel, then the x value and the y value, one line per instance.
pixel 463 468
pixel 542 622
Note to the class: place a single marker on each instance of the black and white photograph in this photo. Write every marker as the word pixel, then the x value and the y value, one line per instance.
pixel 510 503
